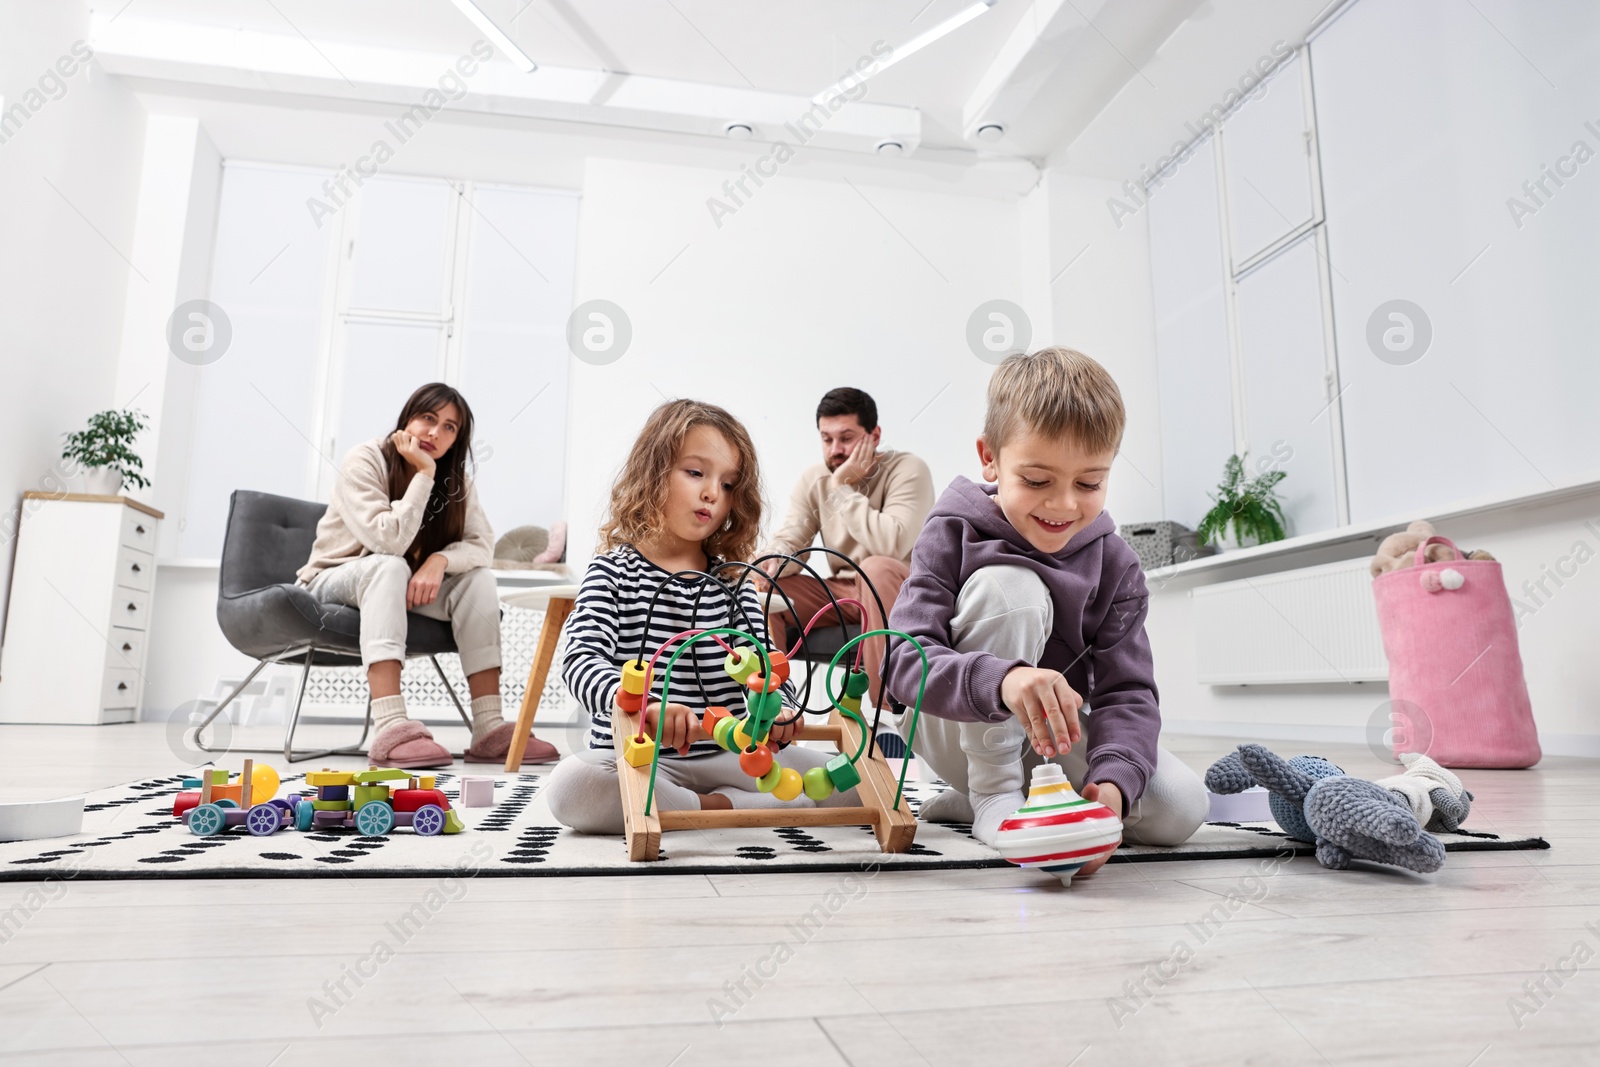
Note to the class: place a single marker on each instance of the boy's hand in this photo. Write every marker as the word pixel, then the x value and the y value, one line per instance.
pixel 682 728
pixel 1046 706
pixel 1111 797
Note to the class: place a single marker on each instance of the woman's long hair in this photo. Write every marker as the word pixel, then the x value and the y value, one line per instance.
pixel 639 497
pixel 445 520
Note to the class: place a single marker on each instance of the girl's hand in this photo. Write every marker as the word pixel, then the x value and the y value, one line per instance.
pixel 1046 706
pixel 682 728
pixel 424 585
pixel 413 454
pixel 782 735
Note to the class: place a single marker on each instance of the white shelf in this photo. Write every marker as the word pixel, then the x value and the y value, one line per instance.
pixel 1365 534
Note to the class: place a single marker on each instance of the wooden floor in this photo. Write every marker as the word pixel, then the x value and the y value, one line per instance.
pixel 1226 962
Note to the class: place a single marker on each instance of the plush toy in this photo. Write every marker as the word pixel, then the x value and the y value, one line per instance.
pixel 1435 795
pixel 1400 549
pixel 1347 818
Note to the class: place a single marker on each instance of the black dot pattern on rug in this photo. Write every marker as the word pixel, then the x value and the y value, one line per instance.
pixel 507 810
pixel 756 852
pixel 533 845
pixel 280 856
pixel 799 840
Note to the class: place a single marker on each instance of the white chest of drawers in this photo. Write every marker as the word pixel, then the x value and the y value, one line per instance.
pixel 79 611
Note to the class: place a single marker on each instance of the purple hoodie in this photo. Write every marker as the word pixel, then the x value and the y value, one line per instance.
pixel 1100 605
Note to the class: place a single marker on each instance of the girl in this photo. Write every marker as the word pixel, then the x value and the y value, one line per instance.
pixel 688 498
pixel 404 532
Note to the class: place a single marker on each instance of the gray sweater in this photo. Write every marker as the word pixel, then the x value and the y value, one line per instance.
pixel 1098 640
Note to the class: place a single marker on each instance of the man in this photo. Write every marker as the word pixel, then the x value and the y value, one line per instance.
pixel 868 504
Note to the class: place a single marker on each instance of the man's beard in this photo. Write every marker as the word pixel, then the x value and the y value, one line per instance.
pixel 835 462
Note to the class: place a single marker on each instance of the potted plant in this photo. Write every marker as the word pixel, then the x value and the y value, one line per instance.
pixel 1249 508
pixel 103 451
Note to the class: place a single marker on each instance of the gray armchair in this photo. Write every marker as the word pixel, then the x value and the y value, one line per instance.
pixel 267 616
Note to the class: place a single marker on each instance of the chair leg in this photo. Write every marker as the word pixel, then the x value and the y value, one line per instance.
pixel 218 710
pixel 289 753
pixel 454 698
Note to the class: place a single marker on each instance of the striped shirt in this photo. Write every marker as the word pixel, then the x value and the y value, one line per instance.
pixel 608 620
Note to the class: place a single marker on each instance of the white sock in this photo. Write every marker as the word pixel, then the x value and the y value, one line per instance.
pixel 950 806
pixel 746 798
pixel 989 810
pixel 485 716
pixel 386 710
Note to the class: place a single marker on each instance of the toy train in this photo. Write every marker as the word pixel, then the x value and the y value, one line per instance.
pixel 344 800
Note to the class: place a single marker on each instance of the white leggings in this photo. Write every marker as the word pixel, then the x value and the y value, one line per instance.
pixel 583 792
pixel 1007 610
pixel 376 585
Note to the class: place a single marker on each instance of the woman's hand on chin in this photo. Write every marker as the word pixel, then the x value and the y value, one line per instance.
pixel 412 452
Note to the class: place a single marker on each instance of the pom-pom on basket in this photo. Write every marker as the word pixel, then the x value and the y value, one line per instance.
pixel 1451 640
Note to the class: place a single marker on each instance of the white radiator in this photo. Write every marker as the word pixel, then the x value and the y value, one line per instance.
pixel 1319 624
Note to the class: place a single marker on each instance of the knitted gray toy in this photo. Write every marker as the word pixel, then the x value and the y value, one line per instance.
pixel 1348 818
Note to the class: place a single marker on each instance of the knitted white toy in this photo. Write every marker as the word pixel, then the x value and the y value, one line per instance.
pixel 1435 795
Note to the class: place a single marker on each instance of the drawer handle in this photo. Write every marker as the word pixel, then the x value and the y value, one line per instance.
pixel 137 568
pixel 126 647
pixel 139 530
pixel 133 607
pixel 121 686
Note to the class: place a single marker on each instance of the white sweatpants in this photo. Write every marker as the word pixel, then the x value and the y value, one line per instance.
pixel 376 586
pixel 584 794
pixel 1007 610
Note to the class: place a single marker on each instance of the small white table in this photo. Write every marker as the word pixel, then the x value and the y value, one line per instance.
pixel 556 601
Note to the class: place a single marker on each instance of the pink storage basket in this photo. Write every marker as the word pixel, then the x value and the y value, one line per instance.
pixel 1451 639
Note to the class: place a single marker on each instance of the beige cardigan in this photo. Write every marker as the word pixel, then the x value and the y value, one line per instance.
pixel 361 519
pixel 880 517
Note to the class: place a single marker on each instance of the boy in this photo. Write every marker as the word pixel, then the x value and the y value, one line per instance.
pixel 1028 607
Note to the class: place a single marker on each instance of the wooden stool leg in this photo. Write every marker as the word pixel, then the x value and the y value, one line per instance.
pixel 555 617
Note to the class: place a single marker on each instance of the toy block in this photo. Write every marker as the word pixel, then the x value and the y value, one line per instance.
pixel 191 783
pixel 219 776
pixel 639 751
pixel 333 792
pixel 712 716
pixel 850 703
pixel 856 685
pixel 477 792
pixel 380 774
pixel 234 792
pixel 329 777
pixel 366 794
pixel 741 663
pixel 630 701
pixel 247 784
pixel 329 805
pixel 184 803
pixel 412 799
pixel 817 784
pixel 780 665
pixel 789 784
pixel 842 773
pixel 453 823
pixel 425 781
pixel 633 676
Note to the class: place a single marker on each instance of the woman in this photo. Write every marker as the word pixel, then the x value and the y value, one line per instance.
pixel 404 532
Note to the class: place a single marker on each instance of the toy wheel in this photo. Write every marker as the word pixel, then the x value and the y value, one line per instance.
pixel 303 814
pixel 206 820
pixel 263 820
pixel 225 803
pixel 375 819
pixel 429 820
pixel 283 806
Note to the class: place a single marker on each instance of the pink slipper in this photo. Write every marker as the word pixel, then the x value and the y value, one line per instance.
pixel 409 745
pixel 497 743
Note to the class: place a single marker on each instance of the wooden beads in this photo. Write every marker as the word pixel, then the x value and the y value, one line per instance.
pixel 630 701
pixel 856 685
pixel 789 784
pixel 722 734
pixel 842 773
pixel 709 721
pixel 769 781
pixel 638 751
pixel 633 676
pixel 817 784
pixel 741 663
pixel 756 762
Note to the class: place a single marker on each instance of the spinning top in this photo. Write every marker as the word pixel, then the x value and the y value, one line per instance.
pixel 1057 830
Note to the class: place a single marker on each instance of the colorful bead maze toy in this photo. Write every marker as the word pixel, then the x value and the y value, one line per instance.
pixel 762 672
pixel 1057 830
pixel 364 801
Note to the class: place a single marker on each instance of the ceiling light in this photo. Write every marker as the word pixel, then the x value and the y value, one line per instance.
pixel 891 148
pixel 739 131
pixel 990 132
pixel 916 44
pixel 496 35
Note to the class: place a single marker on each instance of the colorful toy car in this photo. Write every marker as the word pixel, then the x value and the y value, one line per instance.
pixel 361 800
pixel 248 802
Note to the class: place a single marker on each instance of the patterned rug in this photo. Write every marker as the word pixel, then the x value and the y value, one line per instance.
pixel 129 832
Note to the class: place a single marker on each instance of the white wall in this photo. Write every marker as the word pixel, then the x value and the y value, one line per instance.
pixel 61 258
pixel 810 285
